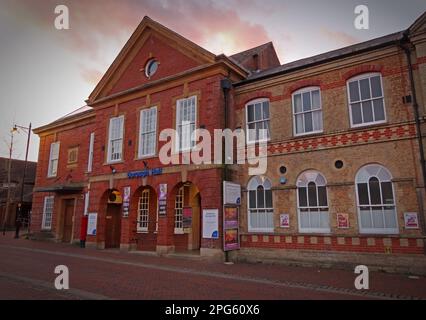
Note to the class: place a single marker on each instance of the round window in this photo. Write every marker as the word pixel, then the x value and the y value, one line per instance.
pixel 151 67
pixel 338 164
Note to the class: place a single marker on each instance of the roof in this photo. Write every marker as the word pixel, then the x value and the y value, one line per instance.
pixel 70 117
pixel 241 56
pixel 17 169
pixel 324 57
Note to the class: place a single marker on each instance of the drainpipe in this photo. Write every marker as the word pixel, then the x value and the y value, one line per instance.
pixel 226 86
pixel 407 50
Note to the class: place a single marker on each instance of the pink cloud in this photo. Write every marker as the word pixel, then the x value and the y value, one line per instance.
pixel 340 37
pixel 95 23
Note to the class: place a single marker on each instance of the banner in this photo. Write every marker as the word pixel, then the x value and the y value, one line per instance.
pixel 231 228
pixel 342 220
pixel 284 220
pixel 162 199
pixel 211 223
pixel 92 224
pixel 411 220
pixel 231 193
pixel 126 201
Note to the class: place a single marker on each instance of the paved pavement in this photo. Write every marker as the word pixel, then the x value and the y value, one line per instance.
pixel 27 272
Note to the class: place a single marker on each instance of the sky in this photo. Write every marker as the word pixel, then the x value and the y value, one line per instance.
pixel 46 73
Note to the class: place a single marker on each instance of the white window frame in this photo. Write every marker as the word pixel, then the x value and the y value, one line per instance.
pixel 47 218
pixel 53 162
pixel 357 181
pixel 110 140
pixel 179 205
pixel 303 182
pixel 143 213
pixel 358 78
pixel 253 184
pixel 254 102
pixel 179 125
pixel 91 146
pixel 312 111
pixel 143 133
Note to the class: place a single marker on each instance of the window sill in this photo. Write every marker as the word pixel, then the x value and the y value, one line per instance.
pixel 314 231
pixel 252 143
pixel 370 124
pixel 108 163
pixel 308 134
pixel 179 231
pixel 142 231
pixel 150 156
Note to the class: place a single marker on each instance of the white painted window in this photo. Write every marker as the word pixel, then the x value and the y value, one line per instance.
pixel 186 115
pixel 91 146
pixel 376 200
pixel 307 111
pixel 148 132
pixel 312 203
pixel 115 141
pixel 53 159
pixel 366 100
pixel 179 211
pixel 143 212
pixel 257 116
pixel 46 223
pixel 260 205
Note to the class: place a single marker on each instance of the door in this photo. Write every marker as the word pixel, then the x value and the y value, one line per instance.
pixel 68 220
pixel 113 226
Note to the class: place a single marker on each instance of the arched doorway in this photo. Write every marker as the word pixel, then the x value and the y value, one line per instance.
pixel 145 217
pixel 187 217
pixel 113 220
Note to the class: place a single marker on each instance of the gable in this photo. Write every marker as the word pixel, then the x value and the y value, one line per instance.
pixel 151 39
pixel 172 60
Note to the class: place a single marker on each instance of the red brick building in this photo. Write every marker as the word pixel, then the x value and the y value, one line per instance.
pixel 344 167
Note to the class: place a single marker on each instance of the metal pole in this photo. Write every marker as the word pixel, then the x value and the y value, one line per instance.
pixel 6 213
pixel 23 182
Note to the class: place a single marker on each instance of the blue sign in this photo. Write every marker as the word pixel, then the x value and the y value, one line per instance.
pixel 145 173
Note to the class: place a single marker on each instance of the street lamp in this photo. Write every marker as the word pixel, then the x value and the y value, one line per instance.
pixel 19 216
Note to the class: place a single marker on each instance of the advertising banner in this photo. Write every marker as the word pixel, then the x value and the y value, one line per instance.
pixel 162 199
pixel 126 201
pixel 211 223
pixel 231 236
pixel 92 224
pixel 342 220
pixel 284 220
pixel 231 193
pixel 187 217
pixel 411 220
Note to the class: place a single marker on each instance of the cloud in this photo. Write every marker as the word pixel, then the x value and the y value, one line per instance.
pixel 100 25
pixel 91 75
pixel 340 37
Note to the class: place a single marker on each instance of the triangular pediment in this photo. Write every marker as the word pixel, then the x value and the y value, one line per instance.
pixel 151 40
pixel 419 26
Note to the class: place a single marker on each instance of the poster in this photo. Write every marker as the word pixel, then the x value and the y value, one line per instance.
pixel 187 217
pixel 162 199
pixel 231 237
pixel 232 193
pixel 284 220
pixel 342 220
pixel 411 220
pixel 126 201
pixel 92 224
pixel 211 223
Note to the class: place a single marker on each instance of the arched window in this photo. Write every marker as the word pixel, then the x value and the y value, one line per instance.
pixel 257 116
pixel 376 202
pixel 143 212
pixel 312 203
pixel 260 205
pixel 179 210
pixel 307 111
pixel 366 100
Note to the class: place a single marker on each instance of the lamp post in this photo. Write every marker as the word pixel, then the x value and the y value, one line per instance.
pixel 21 199
pixel 6 212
